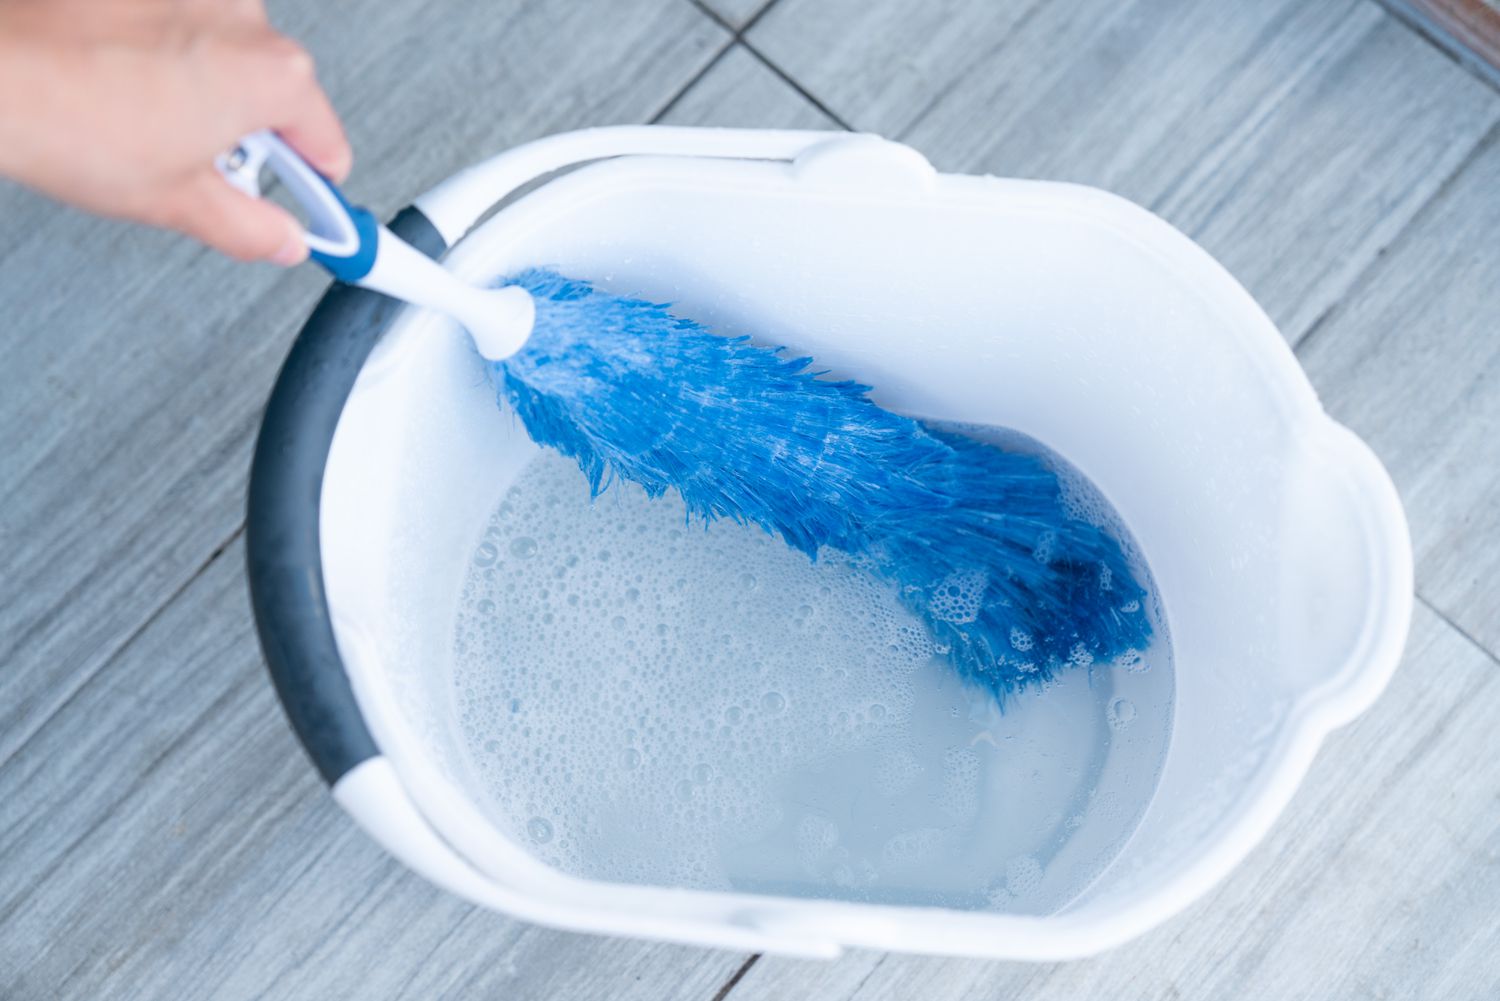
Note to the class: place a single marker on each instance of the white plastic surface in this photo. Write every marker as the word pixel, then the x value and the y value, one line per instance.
pixel 330 230
pixel 1275 536
pixel 372 793
pixel 457 203
pixel 499 320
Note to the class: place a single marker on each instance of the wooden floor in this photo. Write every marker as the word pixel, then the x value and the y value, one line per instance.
pixel 161 834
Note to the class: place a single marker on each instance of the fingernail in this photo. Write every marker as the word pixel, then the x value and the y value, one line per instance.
pixel 341 171
pixel 293 251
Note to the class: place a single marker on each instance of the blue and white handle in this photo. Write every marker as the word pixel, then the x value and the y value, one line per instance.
pixel 355 248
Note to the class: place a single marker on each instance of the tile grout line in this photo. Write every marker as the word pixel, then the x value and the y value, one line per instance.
pixel 802 91
pixel 738 975
pixel 963 75
pixel 868 974
pixel 307 951
pixel 1438 37
pixel 692 82
pixel 463 919
pixel 736 36
pixel 755 18
pixel 718 18
pixel 1490 137
pixel 143 776
pixel 1427 603
pixel 1334 46
pixel 785 77
pixel 130 637
pixel 715 16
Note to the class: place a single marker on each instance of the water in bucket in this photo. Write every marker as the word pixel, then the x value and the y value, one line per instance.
pixel 651 701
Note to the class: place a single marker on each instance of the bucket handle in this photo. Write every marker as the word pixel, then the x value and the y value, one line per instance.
pixel 456 204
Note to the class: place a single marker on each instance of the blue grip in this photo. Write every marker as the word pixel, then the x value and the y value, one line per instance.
pixel 352 268
pixel 331 215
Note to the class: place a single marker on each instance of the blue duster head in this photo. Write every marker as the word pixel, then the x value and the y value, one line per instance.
pixel 977 539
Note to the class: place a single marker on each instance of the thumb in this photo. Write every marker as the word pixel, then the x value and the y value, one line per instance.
pixel 214 212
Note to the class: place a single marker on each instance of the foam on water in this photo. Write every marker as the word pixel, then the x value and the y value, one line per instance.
pixel 647 700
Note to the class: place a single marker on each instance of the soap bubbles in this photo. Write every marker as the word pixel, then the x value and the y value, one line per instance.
pixel 1022 876
pixel 1121 712
pixel 958 597
pixel 655 664
pixel 648 701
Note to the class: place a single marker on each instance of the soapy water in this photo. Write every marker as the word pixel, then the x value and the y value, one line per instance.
pixel 650 701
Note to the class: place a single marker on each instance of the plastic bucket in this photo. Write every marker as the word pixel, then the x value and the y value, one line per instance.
pixel 1275 536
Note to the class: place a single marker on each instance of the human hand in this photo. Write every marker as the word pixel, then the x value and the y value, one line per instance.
pixel 120 106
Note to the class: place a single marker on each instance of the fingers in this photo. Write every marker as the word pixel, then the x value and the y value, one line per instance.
pixel 263 80
pixel 230 221
pixel 294 104
pixel 312 129
pixel 246 11
pixel 251 10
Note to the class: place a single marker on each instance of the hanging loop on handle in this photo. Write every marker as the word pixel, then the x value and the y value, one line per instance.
pixel 340 236
pixel 357 250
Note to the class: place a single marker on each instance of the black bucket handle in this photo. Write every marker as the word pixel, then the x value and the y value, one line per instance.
pixel 284 557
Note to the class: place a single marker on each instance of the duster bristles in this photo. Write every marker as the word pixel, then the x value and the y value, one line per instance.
pixel 977 539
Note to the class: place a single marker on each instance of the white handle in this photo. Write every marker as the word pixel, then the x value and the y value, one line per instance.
pixel 356 249
pixel 500 320
pixel 331 230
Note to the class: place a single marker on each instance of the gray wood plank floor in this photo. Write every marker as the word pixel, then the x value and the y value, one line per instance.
pixel 162 836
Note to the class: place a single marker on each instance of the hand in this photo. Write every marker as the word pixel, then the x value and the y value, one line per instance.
pixel 120 106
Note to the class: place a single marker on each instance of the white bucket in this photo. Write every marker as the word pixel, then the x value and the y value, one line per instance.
pixel 1275 537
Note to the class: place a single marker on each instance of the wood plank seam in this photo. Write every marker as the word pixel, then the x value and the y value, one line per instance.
pixel 744 42
pixel 740 31
pixel 1478 150
pixel 1330 48
pixel 1490 655
pixel 735 35
pixel 962 77
pixel 736 977
pixel 442 940
pixel 103 661
pixel 740 34
pixel 869 973
pixel 1457 34
pixel 212 710
pixel 790 81
pixel 310 950
pixel 693 80
pixel 676 98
